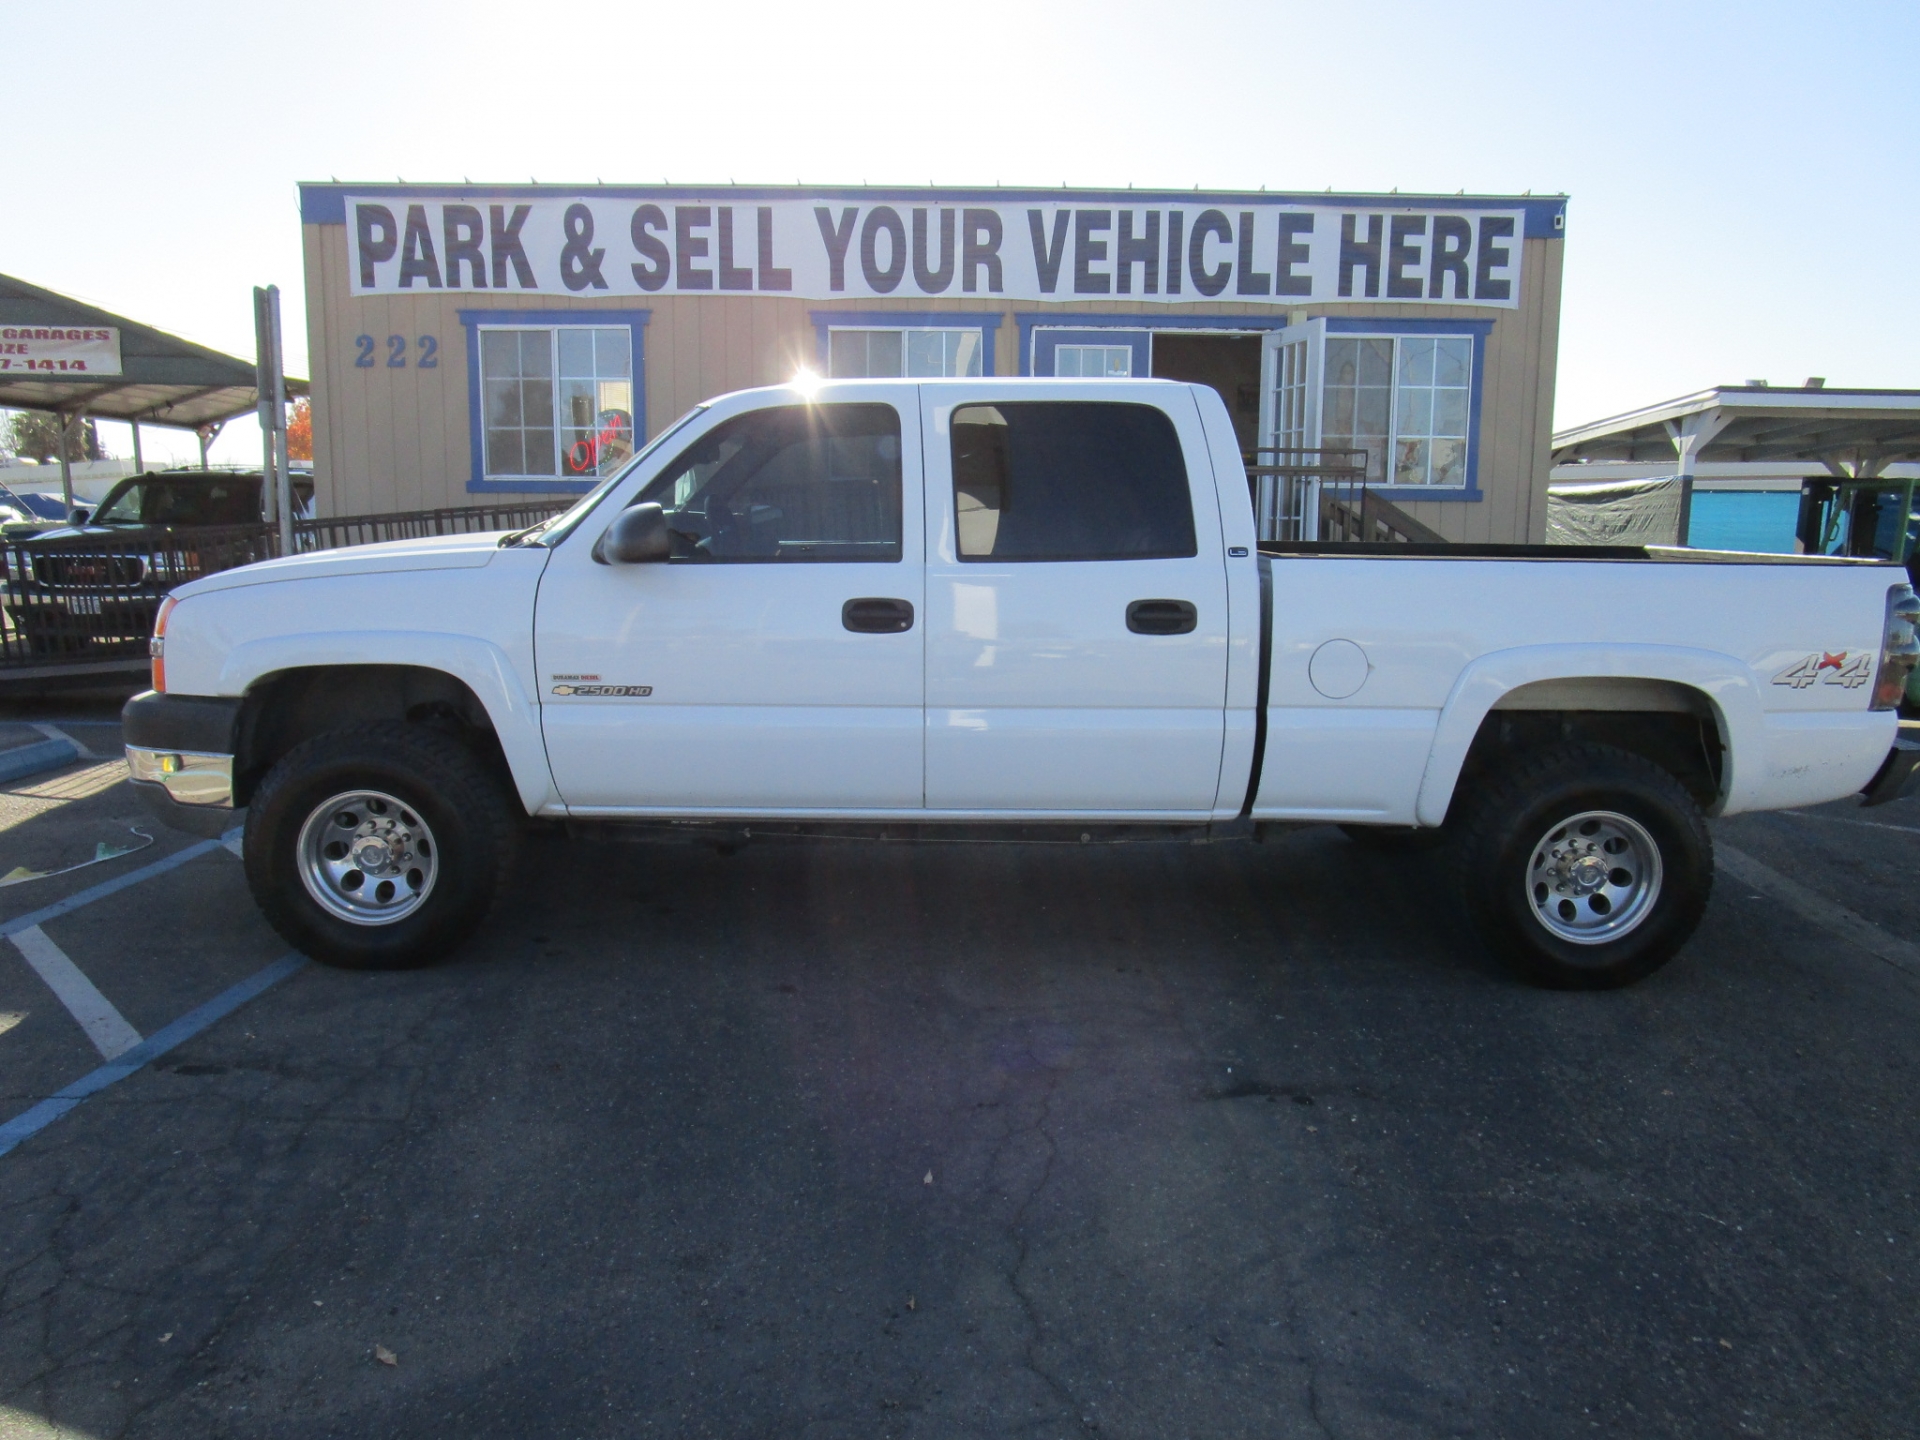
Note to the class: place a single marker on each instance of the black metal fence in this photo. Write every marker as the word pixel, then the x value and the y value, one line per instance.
pixel 89 601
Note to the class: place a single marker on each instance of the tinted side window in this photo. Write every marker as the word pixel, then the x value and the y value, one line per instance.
pixel 799 482
pixel 1069 480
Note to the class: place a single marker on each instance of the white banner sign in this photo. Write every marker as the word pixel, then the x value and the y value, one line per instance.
pixel 827 248
pixel 59 349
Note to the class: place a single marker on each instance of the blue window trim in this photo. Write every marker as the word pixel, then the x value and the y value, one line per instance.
pixel 1030 321
pixel 985 321
pixel 477 481
pixel 1480 330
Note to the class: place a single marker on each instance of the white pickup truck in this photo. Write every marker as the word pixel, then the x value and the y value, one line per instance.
pixel 1006 605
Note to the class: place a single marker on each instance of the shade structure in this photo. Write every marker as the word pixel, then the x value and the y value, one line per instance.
pixel 164 381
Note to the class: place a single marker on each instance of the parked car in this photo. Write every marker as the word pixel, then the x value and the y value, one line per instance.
pixel 990 606
pixel 99 580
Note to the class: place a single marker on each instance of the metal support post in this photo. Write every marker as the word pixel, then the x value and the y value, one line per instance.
pixel 139 465
pixel 66 465
pixel 263 402
pixel 283 477
pixel 1690 436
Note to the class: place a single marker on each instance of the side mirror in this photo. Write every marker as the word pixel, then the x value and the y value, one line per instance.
pixel 79 516
pixel 636 536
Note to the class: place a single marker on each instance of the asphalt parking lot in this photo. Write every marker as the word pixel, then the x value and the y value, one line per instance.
pixel 848 1140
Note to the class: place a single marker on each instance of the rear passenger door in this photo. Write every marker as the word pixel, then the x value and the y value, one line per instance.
pixel 1076 603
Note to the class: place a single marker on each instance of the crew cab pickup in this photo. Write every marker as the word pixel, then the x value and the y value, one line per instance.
pixel 1000 605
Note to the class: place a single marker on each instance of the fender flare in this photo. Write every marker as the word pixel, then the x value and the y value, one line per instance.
pixel 480 665
pixel 1727 684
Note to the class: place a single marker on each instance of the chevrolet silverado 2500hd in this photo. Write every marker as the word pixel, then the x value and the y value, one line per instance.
pixel 1007 603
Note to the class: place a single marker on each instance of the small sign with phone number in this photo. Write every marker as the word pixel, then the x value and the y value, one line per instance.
pixel 59 350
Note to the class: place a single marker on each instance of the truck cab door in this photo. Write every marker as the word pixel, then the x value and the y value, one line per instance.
pixel 1077 602
pixel 773 665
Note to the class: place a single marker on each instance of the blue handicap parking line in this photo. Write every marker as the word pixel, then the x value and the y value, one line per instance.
pixel 32 1121
pixel 105 888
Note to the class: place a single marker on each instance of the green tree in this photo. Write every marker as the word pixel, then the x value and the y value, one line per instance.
pixel 35 435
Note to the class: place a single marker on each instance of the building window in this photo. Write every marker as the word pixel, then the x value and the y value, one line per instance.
pixel 893 354
pixel 1405 401
pixel 1094 361
pixel 559 400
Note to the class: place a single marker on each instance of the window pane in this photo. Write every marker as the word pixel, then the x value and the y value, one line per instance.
pixel 1450 412
pixel 1343 362
pixel 503 453
pixel 503 402
pixel 1410 467
pixel 536 403
pixel 966 352
pixel 1375 358
pixel 1371 410
pixel 1339 420
pixel 846 354
pixel 926 352
pixel 576 352
pixel 1069 481
pixel 883 354
pixel 499 354
pixel 577 453
pixel 1416 361
pixel 1120 361
pixel 536 352
pixel 795 483
pixel 1453 361
pixel 577 403
pixel 1416 412
pixel 613 352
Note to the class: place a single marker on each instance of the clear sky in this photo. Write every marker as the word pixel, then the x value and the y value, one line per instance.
pixel 1743 177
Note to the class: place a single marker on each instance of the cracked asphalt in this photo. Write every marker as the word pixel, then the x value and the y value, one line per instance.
pixel 834 1140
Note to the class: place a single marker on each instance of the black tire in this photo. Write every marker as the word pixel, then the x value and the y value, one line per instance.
pixel 470 815
pixel 1516 814
pixel 1396 839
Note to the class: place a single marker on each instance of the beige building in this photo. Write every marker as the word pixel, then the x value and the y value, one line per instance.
pixel 500 342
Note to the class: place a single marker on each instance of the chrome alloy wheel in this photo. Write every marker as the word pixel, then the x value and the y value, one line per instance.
pixel 366 858
pixel 1594 877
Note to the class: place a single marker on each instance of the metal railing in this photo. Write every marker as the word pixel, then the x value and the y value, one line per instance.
pixel 1364 518
pixel 89 601
pixel 1287 484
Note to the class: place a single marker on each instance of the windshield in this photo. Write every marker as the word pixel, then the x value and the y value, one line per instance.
pixel 551 532
pixel 203 501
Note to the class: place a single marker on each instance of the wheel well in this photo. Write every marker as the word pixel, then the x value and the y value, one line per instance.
pixel 1673 725
pixel 284 709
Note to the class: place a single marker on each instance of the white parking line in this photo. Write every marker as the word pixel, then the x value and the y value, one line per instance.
pixel 105 1026
pixel 1847 924
pixel 54 732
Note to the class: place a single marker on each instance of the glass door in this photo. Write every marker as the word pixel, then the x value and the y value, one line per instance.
pixel 1287 506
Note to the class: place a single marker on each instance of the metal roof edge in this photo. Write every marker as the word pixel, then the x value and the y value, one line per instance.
pixel 1739 397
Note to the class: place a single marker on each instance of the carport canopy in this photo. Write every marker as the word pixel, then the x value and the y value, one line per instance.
pixel 164 380
pixel 1851 434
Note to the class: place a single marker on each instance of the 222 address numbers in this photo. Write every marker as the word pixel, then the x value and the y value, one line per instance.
pixel 428 345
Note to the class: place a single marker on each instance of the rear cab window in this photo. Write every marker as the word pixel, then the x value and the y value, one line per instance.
pixel 1050 480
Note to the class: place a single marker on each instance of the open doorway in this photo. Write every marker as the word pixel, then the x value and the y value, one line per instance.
pixel 1229 363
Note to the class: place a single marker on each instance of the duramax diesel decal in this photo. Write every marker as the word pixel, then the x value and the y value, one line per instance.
pixel 1851 668
pixel 640 690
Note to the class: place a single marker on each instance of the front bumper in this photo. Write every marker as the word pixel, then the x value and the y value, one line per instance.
pixel 1895 777
pixel 180 752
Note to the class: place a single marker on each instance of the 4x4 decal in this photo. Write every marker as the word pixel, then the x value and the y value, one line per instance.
pixel 1851 668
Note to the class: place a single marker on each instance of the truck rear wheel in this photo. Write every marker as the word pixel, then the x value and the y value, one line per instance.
pixel 1584 866
pixel 378 847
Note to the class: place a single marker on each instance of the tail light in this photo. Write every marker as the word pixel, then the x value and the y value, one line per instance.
pixel 1899 647
pixel 157 646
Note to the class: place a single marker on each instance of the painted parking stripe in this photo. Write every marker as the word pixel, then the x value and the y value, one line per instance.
pixel 105 888
pixel 54 732
pixel 32 1121
pixel 106 1027
pixel 1847 924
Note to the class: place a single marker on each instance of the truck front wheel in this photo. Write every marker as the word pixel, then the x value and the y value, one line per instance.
pixel 1584 866
pixel 378 847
